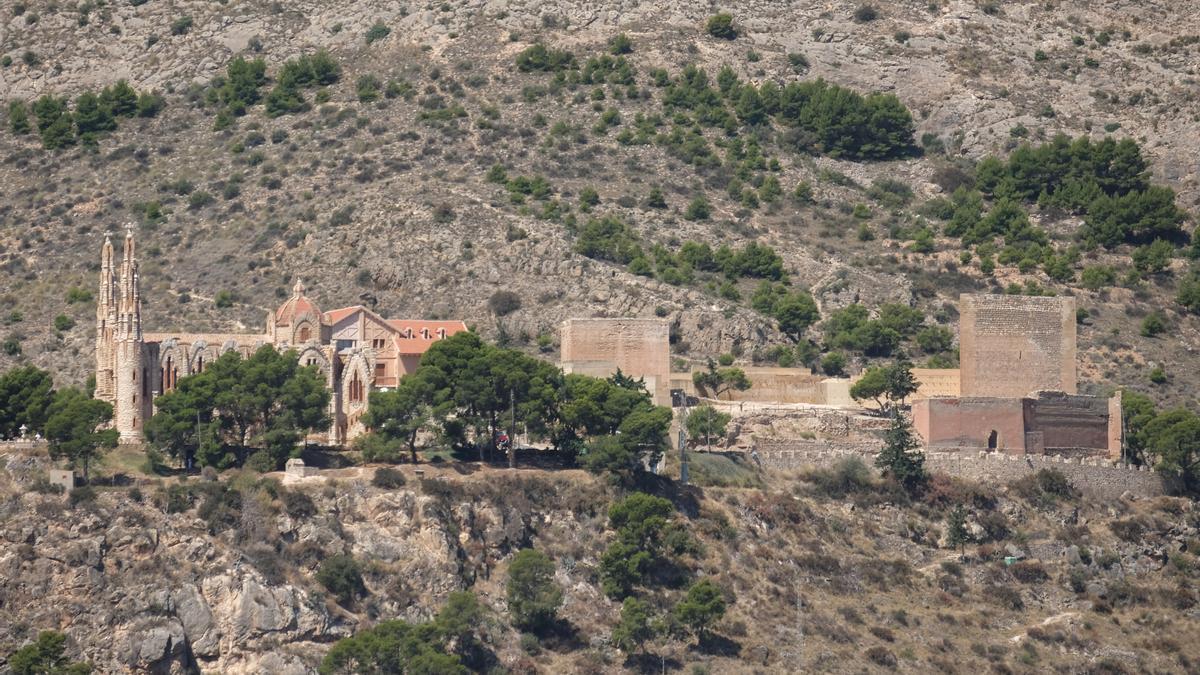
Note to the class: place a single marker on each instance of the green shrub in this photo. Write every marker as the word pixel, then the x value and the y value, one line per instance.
pixel 834 364
pixel 388 478
pixel 538 58
pixel 377 32
pixel 721 26
pixel 342 576
pixel 620 44
pixel 149 104
pixel 181 25
pixel 866 13
pixel 368 87
pixel 698 209
pixel 199 199
pixel 1153 325
pixel 223 299
pixel 1095 277
pixel 608 238
pixel 1153 258
pixel 18 118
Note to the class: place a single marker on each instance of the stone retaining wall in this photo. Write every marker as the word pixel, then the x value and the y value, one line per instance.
pixel 1095 478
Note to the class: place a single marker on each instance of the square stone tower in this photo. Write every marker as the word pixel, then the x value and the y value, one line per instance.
pixel 640 348
pixel 1013 345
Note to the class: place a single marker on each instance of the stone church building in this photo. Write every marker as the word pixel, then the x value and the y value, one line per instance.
pixel 355 349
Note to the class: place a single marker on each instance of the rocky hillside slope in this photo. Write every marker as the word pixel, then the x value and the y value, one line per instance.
pixel 384 199
pixel 168 576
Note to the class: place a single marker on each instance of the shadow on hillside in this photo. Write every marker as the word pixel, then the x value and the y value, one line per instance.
pixel 562 637
pixel 323 457
pixel 718 645
pixel 685 497
pixel 646 662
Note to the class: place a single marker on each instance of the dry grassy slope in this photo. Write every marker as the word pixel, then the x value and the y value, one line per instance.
pixel 965 74
pixel 821 585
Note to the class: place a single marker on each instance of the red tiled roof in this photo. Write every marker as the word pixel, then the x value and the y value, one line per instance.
pixel 295 305
pixel 335 315
pixel 418 343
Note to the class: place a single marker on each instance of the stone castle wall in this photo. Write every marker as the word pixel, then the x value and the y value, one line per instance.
pixel 1012 345
pixel 777 385
pixel 1095 478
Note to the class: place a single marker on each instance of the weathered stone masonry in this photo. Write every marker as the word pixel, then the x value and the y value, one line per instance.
pixel 1095 478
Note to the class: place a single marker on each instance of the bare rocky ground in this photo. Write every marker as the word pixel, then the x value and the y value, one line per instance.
pixel 376 203
pixel 821 585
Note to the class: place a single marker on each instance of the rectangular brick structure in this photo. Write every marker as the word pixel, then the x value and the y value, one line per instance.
pixel 640 348
pixel 1013 345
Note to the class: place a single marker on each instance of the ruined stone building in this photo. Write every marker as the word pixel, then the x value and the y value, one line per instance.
pixel 355 349
pixel 1015 388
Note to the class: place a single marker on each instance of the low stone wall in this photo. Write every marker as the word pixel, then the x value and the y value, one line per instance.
pixel 1095 478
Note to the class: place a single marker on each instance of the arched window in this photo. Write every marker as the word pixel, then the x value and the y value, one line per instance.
pixel 441 333
pixel 200 364
pixel 356 388
pixel 993 440
pixel 424 333
pixel 304 333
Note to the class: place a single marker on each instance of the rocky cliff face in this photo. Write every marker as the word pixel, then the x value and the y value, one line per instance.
pixel 220 576
pixel 145 590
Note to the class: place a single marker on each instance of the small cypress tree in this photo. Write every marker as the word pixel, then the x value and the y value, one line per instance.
pixel 956 528
pixel 900 459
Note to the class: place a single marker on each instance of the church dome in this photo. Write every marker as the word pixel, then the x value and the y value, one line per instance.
pixel 296 306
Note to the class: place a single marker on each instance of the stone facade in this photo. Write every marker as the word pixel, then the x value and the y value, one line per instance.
pixel 1012 345
pixel 355 349
pixel 932 382
pixel 640 348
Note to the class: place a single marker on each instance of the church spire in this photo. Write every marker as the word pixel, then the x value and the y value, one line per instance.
pixel 129 317
pixel 106 324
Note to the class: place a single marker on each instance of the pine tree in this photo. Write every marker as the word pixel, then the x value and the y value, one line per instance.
pixel 54 122
pixel 900 458
pixel 18 118
pixel 92 118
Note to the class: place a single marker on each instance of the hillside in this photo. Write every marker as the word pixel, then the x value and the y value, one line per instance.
pixel 825 571
pixel 380 187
